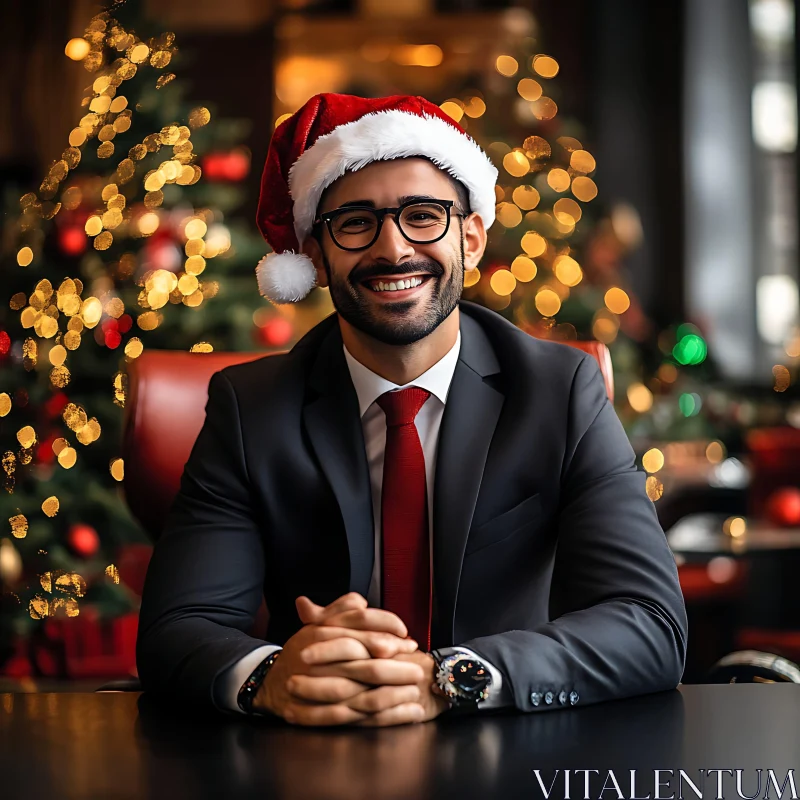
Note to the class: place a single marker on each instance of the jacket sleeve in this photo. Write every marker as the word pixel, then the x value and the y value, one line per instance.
pixel 204 583
pixel 618 622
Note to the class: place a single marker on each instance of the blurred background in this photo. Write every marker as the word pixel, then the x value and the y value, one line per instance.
pixel 647 198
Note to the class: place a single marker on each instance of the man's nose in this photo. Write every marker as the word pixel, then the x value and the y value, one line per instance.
pixel 391 245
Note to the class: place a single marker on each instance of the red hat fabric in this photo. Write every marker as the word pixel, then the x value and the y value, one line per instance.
pixel 335 133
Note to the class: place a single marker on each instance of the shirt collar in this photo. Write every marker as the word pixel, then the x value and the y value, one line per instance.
pixel 369 386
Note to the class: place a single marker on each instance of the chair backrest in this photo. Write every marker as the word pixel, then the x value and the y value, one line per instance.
pixel 165 409
pixel 602 355
pixel 753 666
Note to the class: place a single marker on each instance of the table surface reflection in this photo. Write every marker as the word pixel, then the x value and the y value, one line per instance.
pixel 126 745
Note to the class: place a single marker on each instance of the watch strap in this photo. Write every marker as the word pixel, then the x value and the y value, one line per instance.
pixel 250 687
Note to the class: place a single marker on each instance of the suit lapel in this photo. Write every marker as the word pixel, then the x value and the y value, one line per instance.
pixel 468 424
pixel 334 428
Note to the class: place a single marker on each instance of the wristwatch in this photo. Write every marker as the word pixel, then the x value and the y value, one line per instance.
pixel 250 687
pixel 464 680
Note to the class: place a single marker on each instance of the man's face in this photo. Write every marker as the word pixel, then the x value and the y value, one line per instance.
pixel 393 317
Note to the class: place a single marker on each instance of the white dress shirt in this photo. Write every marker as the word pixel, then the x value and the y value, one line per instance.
pixel 369 387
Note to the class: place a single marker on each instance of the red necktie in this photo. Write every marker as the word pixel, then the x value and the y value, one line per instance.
pixel 405 570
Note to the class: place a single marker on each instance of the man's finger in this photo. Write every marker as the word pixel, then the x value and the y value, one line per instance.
pixel 312 614
pixel 381 698
pixel 398 715
pixel 375 671
pixel 369 619
pixel 343 648
pixel 383 645
pixel 379 645
pixel 324 690
pixel 335 714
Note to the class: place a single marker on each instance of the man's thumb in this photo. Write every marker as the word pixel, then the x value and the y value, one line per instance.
pixel 308 611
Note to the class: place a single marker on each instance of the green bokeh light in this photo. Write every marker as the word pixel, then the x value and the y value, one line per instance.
pixel 690 404
pixel 691 349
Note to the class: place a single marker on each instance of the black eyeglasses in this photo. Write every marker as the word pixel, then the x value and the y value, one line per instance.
pixel 358 227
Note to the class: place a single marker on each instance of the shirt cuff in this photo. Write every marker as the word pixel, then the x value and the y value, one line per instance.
pixel 228 682
pixel 499 695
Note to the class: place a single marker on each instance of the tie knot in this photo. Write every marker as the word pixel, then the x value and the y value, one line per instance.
pixel 401 407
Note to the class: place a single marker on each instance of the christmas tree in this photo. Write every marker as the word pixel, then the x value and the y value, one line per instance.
pixel 555 260
pixel 130 241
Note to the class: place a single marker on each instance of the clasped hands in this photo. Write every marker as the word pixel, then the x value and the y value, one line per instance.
pixel 351 665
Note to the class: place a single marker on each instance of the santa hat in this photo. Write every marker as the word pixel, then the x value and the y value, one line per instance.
pixel 335 133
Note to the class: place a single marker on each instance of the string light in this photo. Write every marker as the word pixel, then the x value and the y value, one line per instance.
pixel 77 49
pixel 524 269
pixel 547 302
pixel 503 282
pixel 617 300
pixel 507 65
pixel 639 397
pixel 584 189
pixel 546 66
pixel 653 460
pixel 567 270
pixel 529 89
pixel 516 163
pixel 453 109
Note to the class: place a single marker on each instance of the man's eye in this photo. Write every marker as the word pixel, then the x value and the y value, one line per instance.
pixel 355 222
pixel 423 217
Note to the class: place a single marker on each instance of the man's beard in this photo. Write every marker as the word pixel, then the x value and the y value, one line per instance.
pixel 405 321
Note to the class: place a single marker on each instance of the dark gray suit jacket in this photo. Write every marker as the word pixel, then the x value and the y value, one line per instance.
pixel 548 558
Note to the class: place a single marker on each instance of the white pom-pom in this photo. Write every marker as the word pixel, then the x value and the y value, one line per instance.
pixel 286 277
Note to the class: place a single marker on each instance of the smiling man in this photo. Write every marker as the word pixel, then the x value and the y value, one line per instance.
pixel 442 513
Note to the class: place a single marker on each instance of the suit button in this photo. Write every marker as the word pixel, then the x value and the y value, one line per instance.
pixel 562 698
pixel 536 698
pixel 548 698
pixel 573 698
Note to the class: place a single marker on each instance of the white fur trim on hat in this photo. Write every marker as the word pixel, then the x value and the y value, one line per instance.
pixel 382 136
pixel 286 277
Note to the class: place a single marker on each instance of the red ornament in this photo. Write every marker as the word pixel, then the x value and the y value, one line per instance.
pixel 232 166
pixel 83 540
pixel 275 332
pixel 44 450
pixel 111 335
pixel 55 404
pixel 72 240
pixel 5 343
pixel 783 507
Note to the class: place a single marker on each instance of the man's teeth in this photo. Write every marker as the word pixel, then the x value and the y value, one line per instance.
pixel 395 286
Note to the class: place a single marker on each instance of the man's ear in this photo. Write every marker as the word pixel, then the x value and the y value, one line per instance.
pixel 312 249
pixel 474 240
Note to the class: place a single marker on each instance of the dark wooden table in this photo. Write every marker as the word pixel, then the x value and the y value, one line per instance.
pixel 124 745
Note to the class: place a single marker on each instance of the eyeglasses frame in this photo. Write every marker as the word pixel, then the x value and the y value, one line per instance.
pixel 381 213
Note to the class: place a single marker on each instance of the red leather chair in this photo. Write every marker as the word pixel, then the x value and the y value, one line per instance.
pixel 164 411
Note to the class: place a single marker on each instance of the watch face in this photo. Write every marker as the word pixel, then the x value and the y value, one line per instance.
pixel 470 677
